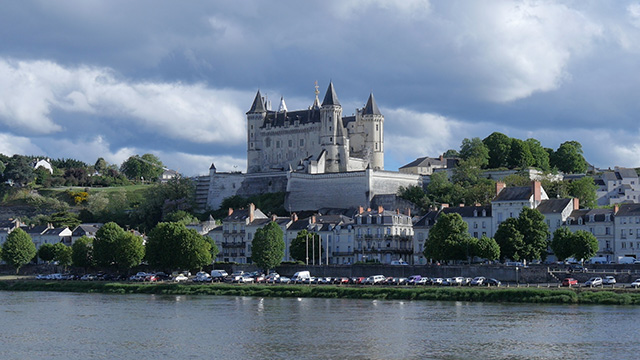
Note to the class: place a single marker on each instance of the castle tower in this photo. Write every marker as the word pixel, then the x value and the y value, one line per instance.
pixel 374 127
pixel 255 119
pixel 332 132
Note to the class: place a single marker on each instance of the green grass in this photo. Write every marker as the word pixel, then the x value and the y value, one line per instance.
pixel 511 295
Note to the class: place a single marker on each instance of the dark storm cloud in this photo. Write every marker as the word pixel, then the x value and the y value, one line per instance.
pixel 175 78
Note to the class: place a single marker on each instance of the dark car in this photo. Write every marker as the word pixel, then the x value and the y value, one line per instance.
pixel 493 282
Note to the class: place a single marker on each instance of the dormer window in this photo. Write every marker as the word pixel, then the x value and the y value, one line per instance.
pixel 579 221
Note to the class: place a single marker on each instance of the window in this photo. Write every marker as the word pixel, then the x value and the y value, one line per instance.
pixel 376 127
pixel 290 143
pixel 607 230
pixel 475 234
pixel 484 225
pixel 623 245
pixel 278 144
pixel 475 225
pixel 301 142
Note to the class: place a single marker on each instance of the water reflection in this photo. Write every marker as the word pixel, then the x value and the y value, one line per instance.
pixel 79 326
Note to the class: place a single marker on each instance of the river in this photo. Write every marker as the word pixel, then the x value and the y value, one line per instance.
pixel 50 325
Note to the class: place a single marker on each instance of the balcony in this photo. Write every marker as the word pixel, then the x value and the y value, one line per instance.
pixel 342 253
pixel 234 245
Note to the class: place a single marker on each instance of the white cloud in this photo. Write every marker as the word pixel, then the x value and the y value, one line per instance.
pixel 11 144
pixel 403 8
pixel 191 112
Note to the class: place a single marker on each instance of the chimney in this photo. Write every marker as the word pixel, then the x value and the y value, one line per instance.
pixel 536 188
pixel 616 207
pixel 274 217
pixel 441 157
pixel 313 219
pixel 294 217
pixel 499 186
pixel 477 204
pixel 444 206
pixel 408 212
pixel 380 209
pixel 461 205
pixel 576 204
pixel 230 212
pixel 368 209
pixel 398 211
pixel 252 210
pixel 360 209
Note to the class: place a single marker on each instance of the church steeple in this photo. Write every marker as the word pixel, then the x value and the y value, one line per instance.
pixel 330 98
pixel 258 104
pixel 371 108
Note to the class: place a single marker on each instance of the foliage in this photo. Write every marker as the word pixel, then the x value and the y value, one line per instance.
pixel 516 180
pixel 115 247
pixel 19 170
pixel 82 252
pixel 499 149
pixel 270 203
pixel 449 239
pixel 539 154
pixel 474 152
pixel 62 254
pixel 487 248
pixel 164 198
pixel 585 190
pixel 535 232
pixel 569 159
pixel 170 245
pixel 416 195
pixel 298 247
pixel 181 216
pixel 46 252
pixel 585 245
pixel 146 167
pixel 520 155
pixel 556 189
pixel 18 249
pixel 64 219
pixel 268 246
pixel 562 243
pixel 510 240
pixel 78 197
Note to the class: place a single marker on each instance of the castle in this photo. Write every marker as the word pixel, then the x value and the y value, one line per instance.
pixel 317 157
pixel 315 140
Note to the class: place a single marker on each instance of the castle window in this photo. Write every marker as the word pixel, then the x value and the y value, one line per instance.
pixel 376 127
pixel 278 144
pixel 251 127
pixel 290 143
pixel 268 142
pixel 252 145
pixel 301 142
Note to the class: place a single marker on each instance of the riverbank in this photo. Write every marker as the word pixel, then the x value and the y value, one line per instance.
pixel 514 295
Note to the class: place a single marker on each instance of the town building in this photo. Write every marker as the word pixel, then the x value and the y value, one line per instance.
pixel 600 223
pixel 616 187
pixel 627 231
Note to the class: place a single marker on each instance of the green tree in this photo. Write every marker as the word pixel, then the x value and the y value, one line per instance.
pixel 164 198
pixel 520 155
pixel 487 248
pixel 449 239
pixel 62 254
pixel 416 195
pixel 172 246
pixel 562 243
pixel 129 250
pixel 101 165
pixel 569 159
pixel 268 246
pixel 19 170
pixel 439 189
pixel 18 250
pixel 535 232
pixel 517 180
pixel 65 219
pixel 147 167
pixel 585 245
pixel 302 242
pixel 82 252
pixel 510 240
pixel 451 153
pixel 585 190
pixel 466 173
pixel 556 189
pixel 499 148
pixel 180 216
pixel 479 193
pixel 475 152
pixel 46 252
pixel 540 155
pixel 105 244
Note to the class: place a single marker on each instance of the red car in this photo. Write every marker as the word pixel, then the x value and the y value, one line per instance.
pixel 569 282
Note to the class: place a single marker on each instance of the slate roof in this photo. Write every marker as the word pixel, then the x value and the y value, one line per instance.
pixel 514 193
pixel 425 162
pixel 371 108
pixel 55 231
pixel 258 104
pixel 84 229
pixel 629 210
pixel 330 98
pixel 553 206
pixel 627 173
pixel 469 211
pixel 428 220
pixel 40 229
pixel 599 215
pixel 278 119
pixel 243 214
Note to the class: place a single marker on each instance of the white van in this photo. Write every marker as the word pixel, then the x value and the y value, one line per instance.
pixel 300 276
pixel 598 260
pixel 218 275
pixel 626 260
pixel 374 279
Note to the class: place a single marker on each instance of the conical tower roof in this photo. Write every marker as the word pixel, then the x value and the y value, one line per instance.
pixel 371 108
pixel 330 98
pixel 258 104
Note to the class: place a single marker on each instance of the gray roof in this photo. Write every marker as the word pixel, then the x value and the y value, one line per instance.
pixel 469 211
pixel 258 104
pixel 427 220
pixel 330 98
pixel 629 210
pixel 279 119
pixel 425 162
pixel 243 214
pixel 514 193
pixel 599 215
pixel 371 108
pixel 553 206
pixel 83 229
pixel 55 231
pixel 40 229
pixel 625 173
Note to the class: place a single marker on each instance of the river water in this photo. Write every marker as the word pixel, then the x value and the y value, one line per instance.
pixel 49 325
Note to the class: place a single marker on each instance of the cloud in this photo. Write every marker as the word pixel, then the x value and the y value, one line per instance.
pixel 190 112
pixel 10 145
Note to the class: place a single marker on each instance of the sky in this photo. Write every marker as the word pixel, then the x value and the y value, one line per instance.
pixel 85 79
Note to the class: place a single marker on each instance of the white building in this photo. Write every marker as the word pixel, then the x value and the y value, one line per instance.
pixel 618 186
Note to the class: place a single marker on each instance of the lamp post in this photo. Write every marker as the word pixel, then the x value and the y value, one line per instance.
pixel 307 243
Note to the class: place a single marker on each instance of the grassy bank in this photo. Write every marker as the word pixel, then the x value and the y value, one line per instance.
pixel 514 295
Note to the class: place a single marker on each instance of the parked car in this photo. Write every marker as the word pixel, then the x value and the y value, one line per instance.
pixel 594 281
pixel 569 282
pixel 493 282
pixel 88 277
pixel 374 279
pixel 341 280
pixel 436 281
pixel 413 279
pixel 246 279
pixel 635 284
pixel 609 280
pixel 357 280
pixel 283 280
pixel 457 281
pixel 180 278
pixel 271 278
pixel 477 281
pixel 202 277
pixel 218 275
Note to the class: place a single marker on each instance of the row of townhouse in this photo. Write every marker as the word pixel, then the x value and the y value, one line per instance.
pixel 368 235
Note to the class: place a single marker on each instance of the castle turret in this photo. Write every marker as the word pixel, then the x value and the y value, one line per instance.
pixel 255 119
pixel 332 133
pixel 373 121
